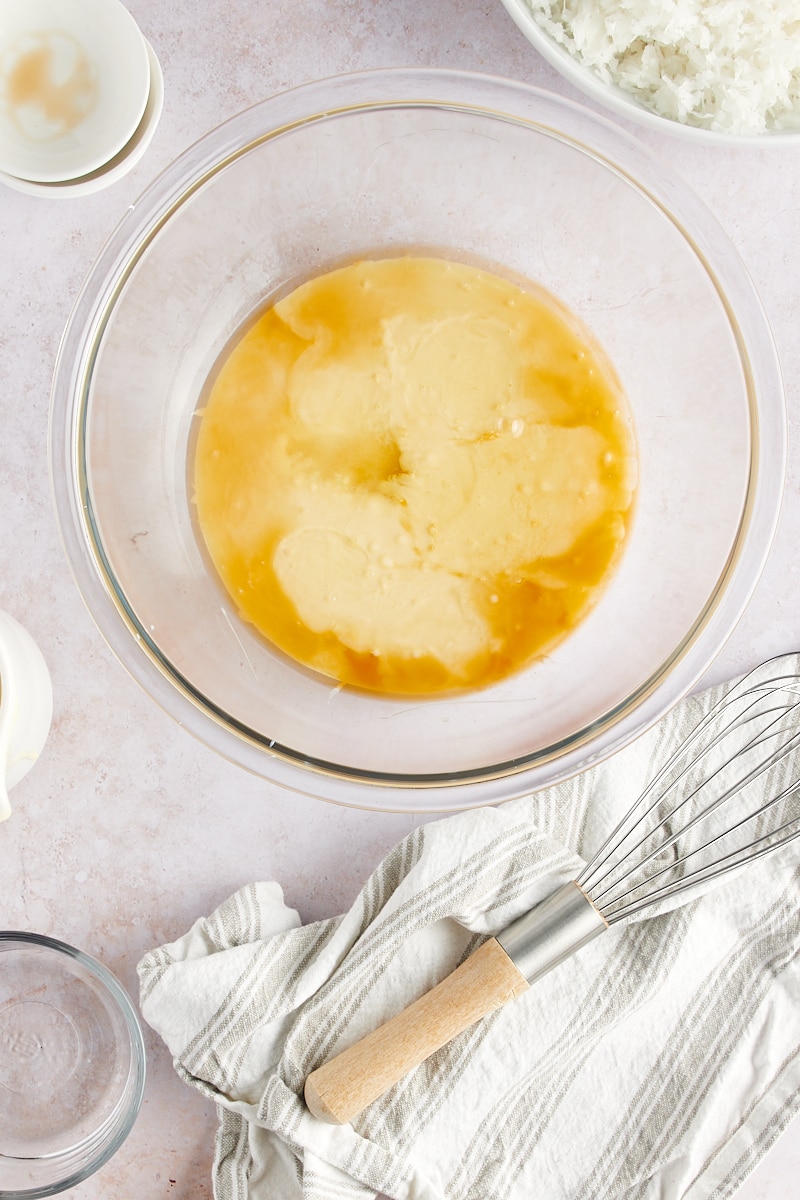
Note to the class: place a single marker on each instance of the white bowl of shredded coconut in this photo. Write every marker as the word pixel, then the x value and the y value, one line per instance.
pixel 725 71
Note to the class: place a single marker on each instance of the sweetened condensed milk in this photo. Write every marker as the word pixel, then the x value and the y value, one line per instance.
pixel 413 475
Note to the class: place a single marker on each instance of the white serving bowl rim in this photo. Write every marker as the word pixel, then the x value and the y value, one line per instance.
pixel 624 105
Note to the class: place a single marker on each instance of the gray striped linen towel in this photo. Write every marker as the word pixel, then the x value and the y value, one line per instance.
pixel 661 1061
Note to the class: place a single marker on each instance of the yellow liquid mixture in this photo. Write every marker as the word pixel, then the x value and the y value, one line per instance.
pixel 413 475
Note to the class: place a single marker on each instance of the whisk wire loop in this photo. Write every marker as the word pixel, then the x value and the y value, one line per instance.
pixel 724 864
pixel 589 879
pixel 728 793
pixel 616 836
pixel 728 767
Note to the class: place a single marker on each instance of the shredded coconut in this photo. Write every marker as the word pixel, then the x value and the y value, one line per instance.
pixel 727 65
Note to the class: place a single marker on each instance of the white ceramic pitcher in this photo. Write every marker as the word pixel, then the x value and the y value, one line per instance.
pixel 26 705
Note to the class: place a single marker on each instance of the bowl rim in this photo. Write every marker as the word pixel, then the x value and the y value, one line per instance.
pixel 624 105
pixel 431 87
pixel 124 1004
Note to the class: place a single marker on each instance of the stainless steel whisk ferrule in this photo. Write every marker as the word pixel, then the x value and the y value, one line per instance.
pixel 551 931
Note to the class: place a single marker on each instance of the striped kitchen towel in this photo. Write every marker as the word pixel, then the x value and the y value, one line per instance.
pixel 661 1061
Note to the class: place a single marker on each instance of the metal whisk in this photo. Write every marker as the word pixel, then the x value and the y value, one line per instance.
pixel 728 795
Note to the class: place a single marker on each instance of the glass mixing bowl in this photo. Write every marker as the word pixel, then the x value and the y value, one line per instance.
pixel 475 168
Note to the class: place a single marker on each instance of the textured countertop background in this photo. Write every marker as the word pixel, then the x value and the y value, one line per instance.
pixel 127 829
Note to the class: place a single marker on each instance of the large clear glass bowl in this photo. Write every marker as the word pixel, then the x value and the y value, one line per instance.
pixel 471 167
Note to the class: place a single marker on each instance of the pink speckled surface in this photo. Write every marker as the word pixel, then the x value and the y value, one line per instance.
pixel 127 829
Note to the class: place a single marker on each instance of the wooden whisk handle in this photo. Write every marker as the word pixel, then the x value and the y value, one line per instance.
pixel 338 1091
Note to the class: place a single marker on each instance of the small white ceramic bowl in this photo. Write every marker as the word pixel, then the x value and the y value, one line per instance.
pixel 74 83
pixel 117 167
pixel 622 103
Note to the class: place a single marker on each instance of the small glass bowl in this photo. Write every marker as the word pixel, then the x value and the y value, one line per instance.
pixel 72 1065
